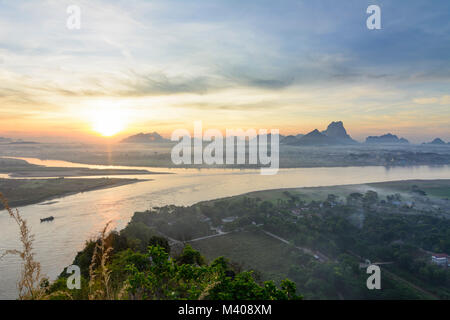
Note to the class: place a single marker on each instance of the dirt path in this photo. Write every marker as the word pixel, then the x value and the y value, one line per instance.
pixel 211 236
pixel 322 257
pixel 175 241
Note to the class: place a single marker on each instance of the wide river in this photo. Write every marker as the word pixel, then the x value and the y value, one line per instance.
pixel 81 216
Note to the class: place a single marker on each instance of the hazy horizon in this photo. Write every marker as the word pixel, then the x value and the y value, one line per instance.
pixel 158 66
pixel 167 135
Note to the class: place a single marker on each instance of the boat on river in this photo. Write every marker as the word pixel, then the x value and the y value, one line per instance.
pixel 48 219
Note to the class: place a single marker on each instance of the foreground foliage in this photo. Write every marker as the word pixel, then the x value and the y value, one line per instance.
pixel 31 283
pixel 117 267
pixel 123 266
pixel 399 229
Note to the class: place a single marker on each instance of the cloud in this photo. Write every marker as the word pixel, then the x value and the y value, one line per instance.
pixel 443 100
pixel 285 61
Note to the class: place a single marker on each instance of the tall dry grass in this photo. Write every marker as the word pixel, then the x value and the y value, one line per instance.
pixel 29 284
pixel 30 281
pixel 100 286
pixel 99 273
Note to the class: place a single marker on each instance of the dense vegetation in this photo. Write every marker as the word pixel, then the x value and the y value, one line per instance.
pixel 327 239
pixel 135 264
pixel 323 244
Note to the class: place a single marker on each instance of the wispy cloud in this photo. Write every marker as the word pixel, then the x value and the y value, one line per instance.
pixel 444 100
pixel 293 62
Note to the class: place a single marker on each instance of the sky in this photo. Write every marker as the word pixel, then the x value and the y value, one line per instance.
pixel 144 66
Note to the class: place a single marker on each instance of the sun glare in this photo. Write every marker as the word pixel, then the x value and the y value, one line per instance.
pixel 108 121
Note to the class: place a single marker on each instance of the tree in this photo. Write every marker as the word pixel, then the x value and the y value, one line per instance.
pixel 167 279
pixel 190 256
pixel 370 198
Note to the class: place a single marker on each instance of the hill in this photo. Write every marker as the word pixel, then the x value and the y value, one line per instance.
pixel 337 131
pixel 335 134
pixel 437 141
pixel 145 138
pixel 386 139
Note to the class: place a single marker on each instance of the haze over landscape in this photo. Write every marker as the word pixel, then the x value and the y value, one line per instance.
pixel 358 162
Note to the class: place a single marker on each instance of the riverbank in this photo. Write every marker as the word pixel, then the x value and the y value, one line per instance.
pixel 436 188
pixel 18 168
pixel 21 192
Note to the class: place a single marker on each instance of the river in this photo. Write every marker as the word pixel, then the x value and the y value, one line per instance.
pixel 81 216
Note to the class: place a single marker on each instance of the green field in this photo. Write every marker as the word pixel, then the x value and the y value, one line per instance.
pixel 252 250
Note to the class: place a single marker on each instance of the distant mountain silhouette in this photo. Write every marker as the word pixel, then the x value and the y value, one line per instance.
pixel 145 138
pixel 437 141
pixel 289 140
pixel 337 131
pixel 335 134
pixel 387 139
pixel 316 138
pixel 4 140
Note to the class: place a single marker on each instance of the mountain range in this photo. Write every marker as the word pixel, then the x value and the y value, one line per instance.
pixel 437 141
pixel 386 139
pixel 335 134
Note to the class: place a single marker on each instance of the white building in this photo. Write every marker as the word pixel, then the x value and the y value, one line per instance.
pixel 440 259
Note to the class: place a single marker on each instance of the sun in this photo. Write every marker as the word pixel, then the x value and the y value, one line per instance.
pixel 108 121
